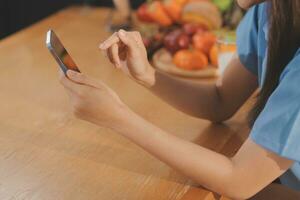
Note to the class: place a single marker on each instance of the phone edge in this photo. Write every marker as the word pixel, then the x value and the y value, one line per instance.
pixel 50 48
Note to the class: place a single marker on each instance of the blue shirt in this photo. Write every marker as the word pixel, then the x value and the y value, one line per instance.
pixel 277 128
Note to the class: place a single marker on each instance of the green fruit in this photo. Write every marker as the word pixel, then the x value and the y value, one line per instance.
pixel 223 5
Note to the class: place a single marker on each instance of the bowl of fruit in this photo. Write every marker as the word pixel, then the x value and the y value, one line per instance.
pixel 181 36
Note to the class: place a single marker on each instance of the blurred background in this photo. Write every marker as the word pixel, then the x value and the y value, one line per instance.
pixel 177 33
pixel 17 14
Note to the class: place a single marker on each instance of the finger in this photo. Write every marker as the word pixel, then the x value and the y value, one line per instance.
pixel 113 39
pixel 68 84
pixel 128 40
pixel 62 76
pixel 123 52
pixel 137 37
pixel 139 40
pixel 107 54
pixel 115 55
pixel 82 79
pixel 104 53
pixel 110 56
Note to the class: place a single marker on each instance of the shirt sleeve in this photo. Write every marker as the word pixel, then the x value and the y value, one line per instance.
pixel 247 36
pixel 278 126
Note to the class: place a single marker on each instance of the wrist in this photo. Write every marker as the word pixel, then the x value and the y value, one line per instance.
pixel 133 127
pixel 148 79
pixel 123 117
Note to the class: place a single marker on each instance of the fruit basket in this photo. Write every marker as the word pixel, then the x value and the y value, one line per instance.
pixel 162 60
pixel 181 36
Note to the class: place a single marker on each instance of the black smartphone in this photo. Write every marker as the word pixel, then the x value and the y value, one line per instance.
pixel 59 52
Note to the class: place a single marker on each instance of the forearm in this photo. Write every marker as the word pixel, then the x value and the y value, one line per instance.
pixel 197 99
pixel 208 168
pixel 216 101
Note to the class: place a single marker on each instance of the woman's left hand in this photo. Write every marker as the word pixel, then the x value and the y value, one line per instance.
pixel 92 100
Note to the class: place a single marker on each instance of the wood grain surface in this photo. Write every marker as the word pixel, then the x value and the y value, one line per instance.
pixel 47 154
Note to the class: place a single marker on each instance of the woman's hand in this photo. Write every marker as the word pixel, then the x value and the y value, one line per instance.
pixel 93 101
pixel 126 51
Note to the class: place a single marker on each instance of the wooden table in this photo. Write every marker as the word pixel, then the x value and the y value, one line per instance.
pixel 45 153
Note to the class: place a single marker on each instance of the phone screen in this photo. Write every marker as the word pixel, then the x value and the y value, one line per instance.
pixel 60 53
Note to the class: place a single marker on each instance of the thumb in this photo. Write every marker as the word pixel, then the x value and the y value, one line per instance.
pixel 83 79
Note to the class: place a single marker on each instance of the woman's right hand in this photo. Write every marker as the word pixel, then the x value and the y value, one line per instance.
pixel 126 51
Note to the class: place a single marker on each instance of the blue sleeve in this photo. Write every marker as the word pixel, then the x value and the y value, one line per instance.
pixel 278 126
pixel 247 37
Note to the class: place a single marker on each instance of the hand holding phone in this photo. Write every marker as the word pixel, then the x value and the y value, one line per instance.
pixel 59 52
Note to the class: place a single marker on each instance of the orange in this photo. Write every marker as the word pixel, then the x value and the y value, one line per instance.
pixel 204 41
pixel 190 60
pixel 213 55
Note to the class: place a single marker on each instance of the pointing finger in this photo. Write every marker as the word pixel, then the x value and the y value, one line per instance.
pixel 113 39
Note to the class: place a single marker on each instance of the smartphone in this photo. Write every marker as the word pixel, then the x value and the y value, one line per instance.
pixel 59 53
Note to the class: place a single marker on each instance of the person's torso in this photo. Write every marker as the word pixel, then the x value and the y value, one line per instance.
pixel 292 176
